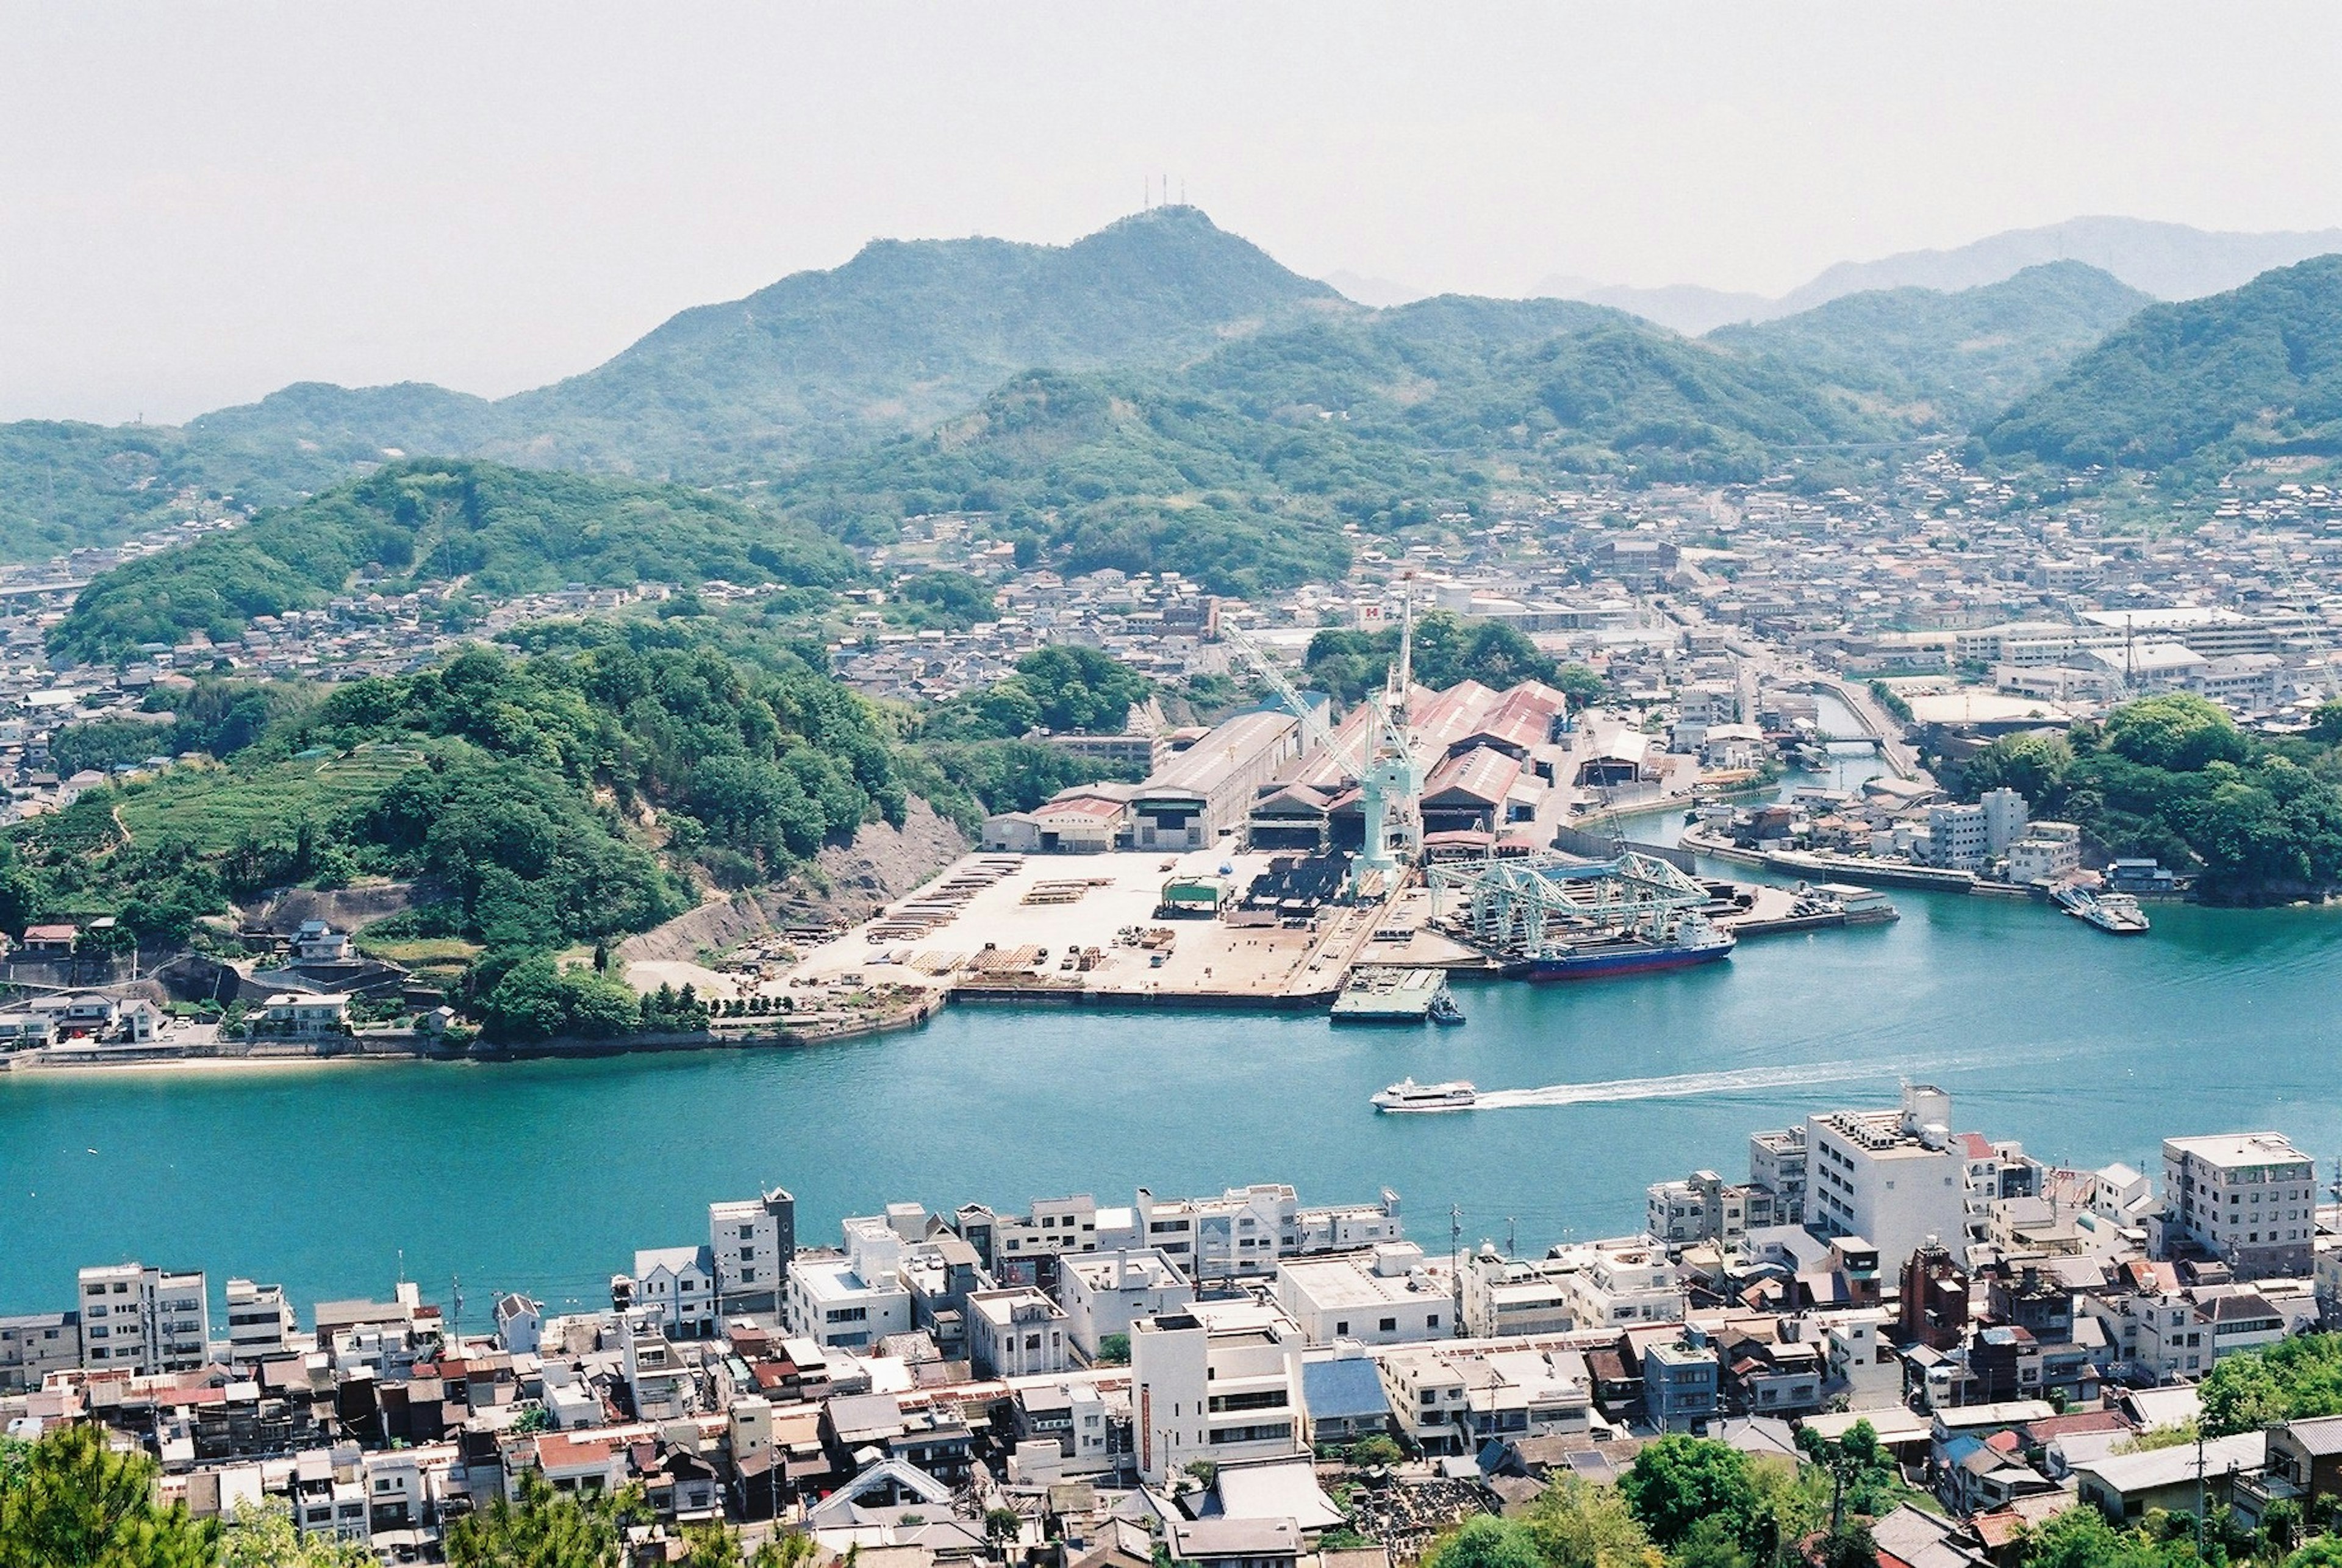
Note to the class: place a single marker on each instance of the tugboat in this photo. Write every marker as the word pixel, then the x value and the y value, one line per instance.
pixel 1444 1011
pixel 1407 1095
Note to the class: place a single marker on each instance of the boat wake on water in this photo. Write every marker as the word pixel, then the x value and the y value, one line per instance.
pixel 1685 1085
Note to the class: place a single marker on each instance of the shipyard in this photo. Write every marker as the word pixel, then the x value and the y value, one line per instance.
pixel 1280 860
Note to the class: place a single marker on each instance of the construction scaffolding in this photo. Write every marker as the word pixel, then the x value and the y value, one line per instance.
pixel 1520 904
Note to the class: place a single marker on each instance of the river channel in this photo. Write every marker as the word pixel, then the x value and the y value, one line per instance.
pixel 544 1176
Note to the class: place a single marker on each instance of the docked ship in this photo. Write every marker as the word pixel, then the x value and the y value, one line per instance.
pixel 2117 914
pixel 1690 938
pixel 1406 1095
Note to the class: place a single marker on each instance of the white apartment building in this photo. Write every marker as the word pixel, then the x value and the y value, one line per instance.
pixel 852 1301
pixel 1014 1246
pixel 1104 1293
pixel 2247 1199
pixel 1018 1332
pixel 1778 1162
pixel 753 1241
pixel 260 1321
pixel 1894 1178
pixel 1220 1380
pixel 2049 852
pixel 1245 1231
pixel 146 1320
pixel 1958 836
pixel 658 1378
pixel 678 1283
pixel 1385 1296
pixel 2005 816
pixel 1505 1296
pixel 1450 1399
pixel 1704 1207
pixel 1616 1285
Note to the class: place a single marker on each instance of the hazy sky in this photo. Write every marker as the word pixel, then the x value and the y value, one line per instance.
pixel 201 202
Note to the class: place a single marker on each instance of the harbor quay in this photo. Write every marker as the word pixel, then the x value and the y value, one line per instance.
pixel 975 1383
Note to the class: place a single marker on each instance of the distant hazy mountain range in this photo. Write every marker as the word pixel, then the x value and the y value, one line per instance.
pixel 2169 261
pixel 1162 396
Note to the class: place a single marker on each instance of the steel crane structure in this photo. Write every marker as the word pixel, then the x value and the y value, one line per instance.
pixel 1519 904
pixel 1391 786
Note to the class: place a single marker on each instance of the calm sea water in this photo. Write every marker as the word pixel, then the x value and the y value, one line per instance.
pixel 545 1176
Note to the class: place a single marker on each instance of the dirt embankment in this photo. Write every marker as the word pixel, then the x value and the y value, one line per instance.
pixel 343 908
pixel 848 885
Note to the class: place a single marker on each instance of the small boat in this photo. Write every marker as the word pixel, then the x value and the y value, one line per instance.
pixel 1407 1095
pixel 2117 914
pixel 1444 1011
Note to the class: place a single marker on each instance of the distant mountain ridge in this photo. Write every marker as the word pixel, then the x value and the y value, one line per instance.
pixel 2257 370
pixel 1955 357
pixel 2168 260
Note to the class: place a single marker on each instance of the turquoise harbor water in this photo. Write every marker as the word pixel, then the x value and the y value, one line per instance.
pixel 547 1175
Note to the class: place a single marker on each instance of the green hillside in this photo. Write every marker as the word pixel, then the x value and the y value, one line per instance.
pixel 906 334
pixel 1242 467
pixel 501 531
pixel 818 364
pixel 1952 359
pixel 2256 371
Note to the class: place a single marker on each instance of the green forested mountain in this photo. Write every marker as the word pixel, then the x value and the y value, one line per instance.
pixel 1951 359
pixel 820 364
pixel 907 334
pixel 502 531
pixel 1242 467
pixel 2258 370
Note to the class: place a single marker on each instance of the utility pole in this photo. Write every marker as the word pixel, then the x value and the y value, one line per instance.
pixel 2200 1491
pixel 1455 1263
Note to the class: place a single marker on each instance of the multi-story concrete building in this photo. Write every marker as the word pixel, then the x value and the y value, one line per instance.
pixel 1615 1286
pixel 1018 1332
pixel 1247 1231
pixel 753 1241
pixel 1895 1178
pixel 260 1321
pixel 1104 1293
pixel 1385 1296
pixel 1705 1207
pixel 34 1344
pixel 854 1300
pixel 1024 1248
pixel 679 1284
pixel 1219 1382
pixel 147 1320
pixel 2245 1198
pixel 1505 1296
pixel 1778 1162
pixel 1680 1384
pixel 1452 1398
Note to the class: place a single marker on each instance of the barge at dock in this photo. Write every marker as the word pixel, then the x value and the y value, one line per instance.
pixel 1690 939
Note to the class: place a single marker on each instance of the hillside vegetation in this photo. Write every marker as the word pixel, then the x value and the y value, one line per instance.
pixel 1158 379
pixel 500 531
pixel 570 795
pixel 1955 358
pixel 2260 821
pixel 2253 371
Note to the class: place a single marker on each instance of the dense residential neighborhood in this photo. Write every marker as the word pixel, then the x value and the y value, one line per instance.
pixel 1190 1372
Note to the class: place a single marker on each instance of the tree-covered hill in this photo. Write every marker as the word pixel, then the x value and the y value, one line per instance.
pixel 1953 358
pixel 2256 371
pixel 1242 467
pixel 823 363
pixel 501 531
pixel 902 337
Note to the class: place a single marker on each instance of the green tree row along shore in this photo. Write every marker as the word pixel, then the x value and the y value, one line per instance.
pixel 2173 777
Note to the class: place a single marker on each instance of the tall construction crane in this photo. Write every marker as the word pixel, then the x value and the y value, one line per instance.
pixel 1314 731
pixel 1391 785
